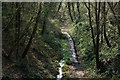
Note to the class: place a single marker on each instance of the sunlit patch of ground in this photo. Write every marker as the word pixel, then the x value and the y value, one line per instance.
pixel 73 72
pixel 76 70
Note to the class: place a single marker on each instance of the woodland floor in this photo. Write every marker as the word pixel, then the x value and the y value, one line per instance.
pixel 76 70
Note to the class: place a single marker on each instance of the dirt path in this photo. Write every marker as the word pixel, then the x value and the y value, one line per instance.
pixel 76 70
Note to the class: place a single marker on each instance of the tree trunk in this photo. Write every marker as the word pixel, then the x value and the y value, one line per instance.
pixel 45 20
pixel 78 10
pixel 69 10
pixel 119 28
pixel 44 25
pixel 104 25
pixel 117 20
pixel 90 23
pixel 97 15
pixel 17 28
pixel 73 10
pixel 18 40
pixel 33 33
pixel 17 25
pixel 59 6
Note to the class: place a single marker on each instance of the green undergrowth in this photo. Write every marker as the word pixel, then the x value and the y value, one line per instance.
pixel 108 55
pixel 52 48
pixel 44 55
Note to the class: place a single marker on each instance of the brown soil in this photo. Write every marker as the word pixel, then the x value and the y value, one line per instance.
pixel 76 70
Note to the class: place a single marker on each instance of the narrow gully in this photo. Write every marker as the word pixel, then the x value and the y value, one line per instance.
pixel 74 58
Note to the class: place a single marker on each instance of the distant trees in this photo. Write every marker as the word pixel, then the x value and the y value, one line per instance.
pixel 101 13
pixel 74 11
pixel 97 21
pixel 24 19
pixel 117 17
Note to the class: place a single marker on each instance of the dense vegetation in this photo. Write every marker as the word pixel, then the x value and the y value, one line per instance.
pixel 33 42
